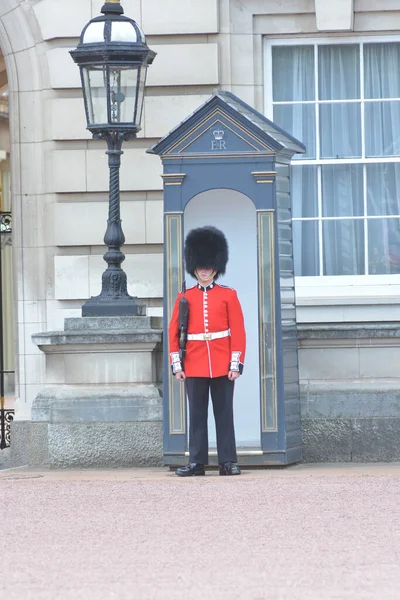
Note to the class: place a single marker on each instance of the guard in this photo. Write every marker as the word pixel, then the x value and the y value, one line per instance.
pixel 214 352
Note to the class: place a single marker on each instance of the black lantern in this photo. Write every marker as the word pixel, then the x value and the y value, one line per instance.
pixel 113 58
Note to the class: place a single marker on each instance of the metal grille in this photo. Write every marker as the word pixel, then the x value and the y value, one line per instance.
pixel 6 418
pixel 5 222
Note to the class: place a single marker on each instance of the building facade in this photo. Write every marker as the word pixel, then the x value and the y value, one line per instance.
pixel 328 73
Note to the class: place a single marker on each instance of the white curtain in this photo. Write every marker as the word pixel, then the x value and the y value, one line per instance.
pixel 339 79
pixel 382 80
pixel 305 233
pixel 294 81
pixel 340 136
pixel 383 198
pixel 343 241
pixel 382 138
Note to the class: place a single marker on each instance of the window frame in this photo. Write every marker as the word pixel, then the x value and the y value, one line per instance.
pixel 316 284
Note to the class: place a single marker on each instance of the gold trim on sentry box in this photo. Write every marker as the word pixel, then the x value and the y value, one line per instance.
pixel 215 124
pixel 169 178
pixel 222 114
pixel 264 173
pixel 170 218
pixel 266 426
pixel 225 156
pixel 260 176
pixel 173 175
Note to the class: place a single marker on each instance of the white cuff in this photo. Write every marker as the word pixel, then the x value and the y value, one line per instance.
pixel 235 361
pixel 176 362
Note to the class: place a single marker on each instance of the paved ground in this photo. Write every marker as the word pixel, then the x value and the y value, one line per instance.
pixel 305 533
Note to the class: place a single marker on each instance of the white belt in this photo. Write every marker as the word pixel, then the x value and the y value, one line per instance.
pixel 214 335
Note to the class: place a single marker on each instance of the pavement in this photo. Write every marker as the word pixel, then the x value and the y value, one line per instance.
pixel 309 532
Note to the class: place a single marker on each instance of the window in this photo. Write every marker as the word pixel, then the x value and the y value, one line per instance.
pixel 342 100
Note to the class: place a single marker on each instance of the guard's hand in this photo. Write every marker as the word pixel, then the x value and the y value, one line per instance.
pixel 180 376
pixel 232 375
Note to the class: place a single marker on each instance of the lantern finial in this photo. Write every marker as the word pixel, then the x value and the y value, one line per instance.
pixel 112 6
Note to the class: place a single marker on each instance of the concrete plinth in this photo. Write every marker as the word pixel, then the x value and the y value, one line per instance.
pixel 101 405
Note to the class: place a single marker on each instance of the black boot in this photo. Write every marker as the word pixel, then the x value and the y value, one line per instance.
pixel 228 468
pixel 191 469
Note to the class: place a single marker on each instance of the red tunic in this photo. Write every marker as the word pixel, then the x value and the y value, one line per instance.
pixel 212 309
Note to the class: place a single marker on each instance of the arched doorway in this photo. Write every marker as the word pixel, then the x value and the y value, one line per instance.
pixel 235 214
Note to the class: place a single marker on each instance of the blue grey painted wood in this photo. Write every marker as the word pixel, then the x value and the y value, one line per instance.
pixel 291 388
pixel 227 144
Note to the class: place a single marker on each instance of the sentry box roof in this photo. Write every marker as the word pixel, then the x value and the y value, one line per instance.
pixel 234 126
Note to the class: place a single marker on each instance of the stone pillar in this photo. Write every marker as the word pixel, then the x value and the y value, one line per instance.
pixel 101 405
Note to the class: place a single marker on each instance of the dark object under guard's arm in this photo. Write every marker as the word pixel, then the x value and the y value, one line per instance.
pixel 183 327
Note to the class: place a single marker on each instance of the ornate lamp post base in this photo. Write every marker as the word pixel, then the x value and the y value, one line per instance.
pixel 114 300
pixel 99 306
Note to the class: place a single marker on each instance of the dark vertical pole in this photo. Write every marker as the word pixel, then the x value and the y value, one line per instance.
pixel 114 283
pixel 2 387
pixel 114 299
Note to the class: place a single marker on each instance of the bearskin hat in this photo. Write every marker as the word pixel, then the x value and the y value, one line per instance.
pixel 206 247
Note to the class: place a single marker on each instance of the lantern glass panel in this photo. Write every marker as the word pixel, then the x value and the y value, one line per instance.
pixel 95 90
pixel 126 94
pixel 94 34
pixel 142 83
pixel 124 32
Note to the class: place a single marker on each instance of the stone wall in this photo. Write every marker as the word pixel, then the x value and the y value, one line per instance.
pixel 350 392
pixel 59 175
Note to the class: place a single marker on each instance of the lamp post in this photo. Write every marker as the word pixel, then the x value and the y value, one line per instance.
pixel 113 58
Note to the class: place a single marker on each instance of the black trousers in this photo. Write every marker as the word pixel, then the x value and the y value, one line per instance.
pixel 198 389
